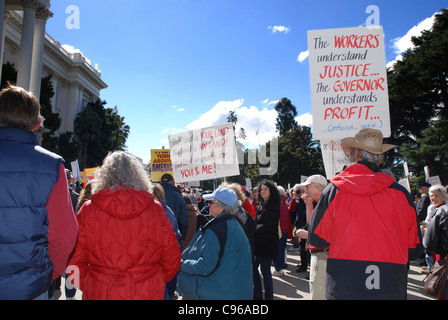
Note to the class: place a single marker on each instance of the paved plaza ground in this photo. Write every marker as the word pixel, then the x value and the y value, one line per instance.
pixel 295 286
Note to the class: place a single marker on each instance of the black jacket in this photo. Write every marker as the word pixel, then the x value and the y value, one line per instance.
pixel 266 232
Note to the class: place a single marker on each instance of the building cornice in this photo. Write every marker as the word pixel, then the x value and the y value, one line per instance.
pixel 68 60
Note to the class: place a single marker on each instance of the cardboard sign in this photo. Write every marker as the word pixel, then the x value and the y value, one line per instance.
pixel 160 164
pixel 204 154
pixel 334 157
pixel 348 82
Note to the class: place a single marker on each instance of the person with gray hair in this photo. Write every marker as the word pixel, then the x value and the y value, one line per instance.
pixel 314 187
pixel 217 264
pixel 127 248
pixel 369 223
pixel 435 240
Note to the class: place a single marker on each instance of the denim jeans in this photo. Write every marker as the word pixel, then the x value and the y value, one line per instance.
pixel 280 261
pixel 265 266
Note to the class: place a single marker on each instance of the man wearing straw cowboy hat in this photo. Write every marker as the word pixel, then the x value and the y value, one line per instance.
pixel 371 224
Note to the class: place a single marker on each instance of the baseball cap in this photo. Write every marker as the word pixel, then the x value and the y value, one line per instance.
pixel 167 177
pixel 424 184
pixel 225 195
pixel 317 178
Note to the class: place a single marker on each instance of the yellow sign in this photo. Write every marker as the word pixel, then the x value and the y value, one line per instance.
pixel 87 174
pixel 160 164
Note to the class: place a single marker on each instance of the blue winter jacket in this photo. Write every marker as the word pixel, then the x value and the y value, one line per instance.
pixel 232 280
pixel 27 174
pixel 176 202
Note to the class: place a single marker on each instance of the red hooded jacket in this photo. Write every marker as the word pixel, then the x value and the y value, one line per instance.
pixel 126 247
pixel 370 223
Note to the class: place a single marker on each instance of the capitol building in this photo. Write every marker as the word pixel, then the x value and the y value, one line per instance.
pixel 35 54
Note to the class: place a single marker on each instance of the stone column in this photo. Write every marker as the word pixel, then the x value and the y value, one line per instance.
pixel 2 32
pixel 26 47
pixel 42 15
pixel 72 105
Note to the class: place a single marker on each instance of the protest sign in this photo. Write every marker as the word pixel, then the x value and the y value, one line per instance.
pixel 348 82
pixel 88 174
pixel 75 170
pixel 160 164
pixel 333 156
pixel 204 154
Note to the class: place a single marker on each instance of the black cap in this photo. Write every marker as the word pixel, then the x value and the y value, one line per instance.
pixel 424 184
pixel 167 177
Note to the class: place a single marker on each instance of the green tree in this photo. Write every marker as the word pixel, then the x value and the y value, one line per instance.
pixel 100 131
pixel 88 131
pixel 9 74
pixel 286 114
pixel 52 120
pixel 298 154
pixel 431 150
pixel 418 95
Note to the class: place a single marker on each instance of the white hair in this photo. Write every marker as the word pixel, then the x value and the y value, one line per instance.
pixel 440 188
pixel 281 190
pixel 229 209
pixel 121 169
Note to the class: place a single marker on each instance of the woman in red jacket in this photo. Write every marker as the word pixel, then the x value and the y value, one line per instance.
pixel 126 248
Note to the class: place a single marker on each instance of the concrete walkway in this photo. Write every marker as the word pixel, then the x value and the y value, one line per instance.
pixel 295 286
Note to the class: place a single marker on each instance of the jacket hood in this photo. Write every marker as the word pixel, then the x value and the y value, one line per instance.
pixel 123 204
pixel 359 179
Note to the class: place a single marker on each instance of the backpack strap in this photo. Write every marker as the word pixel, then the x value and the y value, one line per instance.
pixel 219 227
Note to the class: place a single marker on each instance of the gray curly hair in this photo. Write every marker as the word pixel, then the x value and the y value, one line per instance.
pixel 121 169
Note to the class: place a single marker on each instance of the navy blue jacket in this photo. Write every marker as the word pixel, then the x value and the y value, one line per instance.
pixel 28 174
pixel 176 202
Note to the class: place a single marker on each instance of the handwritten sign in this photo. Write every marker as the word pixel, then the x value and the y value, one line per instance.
pixel 204 154
pixel 333 156
pixel 160 164
pixel 348 82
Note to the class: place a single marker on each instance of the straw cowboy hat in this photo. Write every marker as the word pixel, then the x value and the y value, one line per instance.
pixel 370 140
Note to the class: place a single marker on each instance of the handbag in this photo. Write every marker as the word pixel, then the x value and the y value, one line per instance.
pixel 435 281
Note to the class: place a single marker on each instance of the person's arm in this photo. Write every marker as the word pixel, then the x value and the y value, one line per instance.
pixel 292 205
pixel 208 258
pixel 62 225
pixel 315 239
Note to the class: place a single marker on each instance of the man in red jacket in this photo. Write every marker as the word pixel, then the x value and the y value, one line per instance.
pixel 371 224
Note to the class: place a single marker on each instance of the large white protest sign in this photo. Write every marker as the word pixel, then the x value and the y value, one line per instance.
pixel 348 78
pixel 204 154
pixel 333 156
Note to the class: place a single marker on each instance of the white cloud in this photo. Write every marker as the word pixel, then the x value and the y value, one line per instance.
pixel 268 103
pixel 281 29
pixel 258 122
pixel 217 115
pixel 165 141
pixel 169 130
pixel 178 109
pixel 303 56
pixel 305 119
pixel 404 43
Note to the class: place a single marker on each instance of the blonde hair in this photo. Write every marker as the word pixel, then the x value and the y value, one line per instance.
pixel 158 192
pixel 121 170
pixel 85 193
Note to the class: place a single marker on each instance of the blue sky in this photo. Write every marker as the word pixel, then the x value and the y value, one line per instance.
pixel 178 65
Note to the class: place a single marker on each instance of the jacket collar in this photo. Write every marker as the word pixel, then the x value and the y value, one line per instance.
pixel 18 135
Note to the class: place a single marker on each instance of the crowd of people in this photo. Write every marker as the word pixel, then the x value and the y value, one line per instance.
pixel 123 237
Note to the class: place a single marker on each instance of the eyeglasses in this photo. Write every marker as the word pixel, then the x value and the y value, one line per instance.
pixel 298 191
